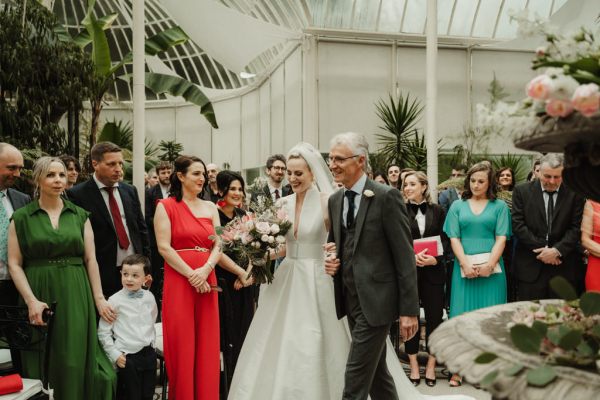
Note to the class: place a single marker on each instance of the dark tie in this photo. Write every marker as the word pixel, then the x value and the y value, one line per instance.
pixel 277 196
pixel 550 211
pixel 138 294
pixel 350 215
pixel 116 216
pixel 416 207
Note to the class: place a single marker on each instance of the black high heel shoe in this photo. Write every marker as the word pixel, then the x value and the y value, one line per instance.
pixel 415 381
pixel 430 382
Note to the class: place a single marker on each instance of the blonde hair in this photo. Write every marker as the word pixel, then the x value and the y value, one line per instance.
pixel 423 180
pixel 40 170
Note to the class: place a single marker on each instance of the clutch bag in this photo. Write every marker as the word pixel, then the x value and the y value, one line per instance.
pixel 481 258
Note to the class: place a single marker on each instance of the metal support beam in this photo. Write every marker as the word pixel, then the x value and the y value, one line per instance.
pixel 431 98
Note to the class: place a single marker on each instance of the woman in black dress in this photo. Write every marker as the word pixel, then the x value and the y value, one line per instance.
pixel 236 303
pixel 426 220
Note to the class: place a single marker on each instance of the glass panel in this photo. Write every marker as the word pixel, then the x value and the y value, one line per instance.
pixel 444 12
pixel 506 28
pixel 541 8
pixel 558 4
pixel 391 15
pixel 486 18
pixel 339 14
pixel 414 20
pixel 317 12
pixel 365 14
pixel 463 17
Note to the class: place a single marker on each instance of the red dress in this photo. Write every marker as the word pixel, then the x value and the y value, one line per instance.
pixel 592 276
pixel 190 319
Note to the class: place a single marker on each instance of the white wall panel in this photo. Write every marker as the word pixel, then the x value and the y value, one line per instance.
pixel 265 122
pixel 352 77
pixel 293 100
pixel 278 111
pixel 193 132
pixel 226 140
pixel 250 130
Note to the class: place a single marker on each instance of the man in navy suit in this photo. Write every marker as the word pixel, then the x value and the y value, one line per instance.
pixel 11 164
pixel 450 195
pixel 116 214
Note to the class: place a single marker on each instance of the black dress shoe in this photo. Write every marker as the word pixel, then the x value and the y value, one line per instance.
pixel 430 382
pixel 415 381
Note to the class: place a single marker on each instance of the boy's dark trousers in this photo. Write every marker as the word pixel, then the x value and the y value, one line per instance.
pixel 137 380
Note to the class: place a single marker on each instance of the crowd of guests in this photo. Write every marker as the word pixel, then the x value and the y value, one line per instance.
pixel 87 246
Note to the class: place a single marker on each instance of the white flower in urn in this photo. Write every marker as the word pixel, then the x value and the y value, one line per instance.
pixel 368 193
pixel 264 228
pixel 274 229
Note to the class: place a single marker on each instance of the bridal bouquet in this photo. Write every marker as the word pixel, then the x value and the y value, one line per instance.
pixel 251 237
pixel 563 333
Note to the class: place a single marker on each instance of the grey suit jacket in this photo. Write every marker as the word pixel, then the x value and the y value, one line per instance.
pixel 446 198
pixel 17 199
pixel 384 263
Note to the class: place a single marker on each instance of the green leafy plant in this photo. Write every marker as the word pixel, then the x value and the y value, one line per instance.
pixel 402 143
pixel 170 150
pixel 518 163
pixel 566 333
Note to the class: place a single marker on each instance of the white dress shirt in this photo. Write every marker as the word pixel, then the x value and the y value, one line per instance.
pixel 165 190
pixel 121 253
pixel 272 191
pixel 4 274
pixel 134 327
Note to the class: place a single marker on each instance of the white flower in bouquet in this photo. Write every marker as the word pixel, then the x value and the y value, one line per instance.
pixel 264 238
pixel 271 239
pixel 250 225
pixel 280 239
pixel 246 238
pixel 274 229
pixel 256 244
pixel 262 227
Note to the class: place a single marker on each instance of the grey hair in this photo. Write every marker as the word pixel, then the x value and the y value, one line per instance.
pixel 554 160
pixel 40 170
pixel 357 143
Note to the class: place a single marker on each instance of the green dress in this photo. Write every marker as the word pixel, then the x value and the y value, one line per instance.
pixel 53 264
pixel 477 234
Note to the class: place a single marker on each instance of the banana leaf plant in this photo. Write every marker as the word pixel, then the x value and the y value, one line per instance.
pixel 107 70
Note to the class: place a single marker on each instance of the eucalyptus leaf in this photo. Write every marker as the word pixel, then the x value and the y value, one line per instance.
pixel 489 378
pixel 585 350
pixel 485 358
pixel 526 339
pixel 541 327
pixel 571 339
pixel 541 376
pixel 590 303
pixel 563 288
pixel 596 331
pixel 513 370
pixel 554 335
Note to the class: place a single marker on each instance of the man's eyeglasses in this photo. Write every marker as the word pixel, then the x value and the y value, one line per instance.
pixel 279 168
pixel 339 160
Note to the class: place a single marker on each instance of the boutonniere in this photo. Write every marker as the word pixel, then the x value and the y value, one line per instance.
pixel 368 193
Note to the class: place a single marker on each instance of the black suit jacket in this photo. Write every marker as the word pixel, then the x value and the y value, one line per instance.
pixel 17 199
pixel 383 260
pixel 286 190
pixel 87 196
pixel 434 223
pixel 530 228
pixel 153 195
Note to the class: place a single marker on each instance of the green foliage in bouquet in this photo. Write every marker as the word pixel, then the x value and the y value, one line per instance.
pixel 563 333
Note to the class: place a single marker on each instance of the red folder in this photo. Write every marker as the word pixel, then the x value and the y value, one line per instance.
pixel 10 384
pixel 430 245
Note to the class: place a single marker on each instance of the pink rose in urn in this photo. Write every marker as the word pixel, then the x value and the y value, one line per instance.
pixel 540 87
pixel 586 99
pixel 558 108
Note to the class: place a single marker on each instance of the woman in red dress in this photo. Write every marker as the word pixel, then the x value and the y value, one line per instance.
pixel 185 234
pixel 590 239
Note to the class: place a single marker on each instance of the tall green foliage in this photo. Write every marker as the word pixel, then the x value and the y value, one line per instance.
pixel 41 77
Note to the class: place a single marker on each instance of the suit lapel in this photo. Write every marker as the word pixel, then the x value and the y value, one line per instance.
pixel 560 198
pixel 127 208
pixel 428 220
pixel 99 204
pixel 362 212
pixel 336 217
pixel 538 200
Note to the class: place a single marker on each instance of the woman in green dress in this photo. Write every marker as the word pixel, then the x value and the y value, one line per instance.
pixel 51 258
pixel 478 227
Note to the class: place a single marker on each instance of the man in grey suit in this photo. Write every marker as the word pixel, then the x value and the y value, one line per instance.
pixel 375 277
pixel 11 164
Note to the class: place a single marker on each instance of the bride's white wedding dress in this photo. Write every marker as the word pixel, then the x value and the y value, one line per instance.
pixel 296 348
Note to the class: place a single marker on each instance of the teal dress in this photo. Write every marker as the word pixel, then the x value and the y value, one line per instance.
pixel 477 234
pixel 53 264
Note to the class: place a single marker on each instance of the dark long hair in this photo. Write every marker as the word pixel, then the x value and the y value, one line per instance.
pixel 182 164
pixel 512 174
pixel 480 167
pixel 224 179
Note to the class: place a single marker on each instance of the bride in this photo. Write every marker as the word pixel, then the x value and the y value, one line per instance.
pixel 296 348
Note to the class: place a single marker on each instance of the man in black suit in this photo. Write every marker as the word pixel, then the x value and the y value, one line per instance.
pixel 11 164
pixel 211 191
pixel 546 220
pixel 375 277
pixel 274 189
pixel 116 214
pixel 153 195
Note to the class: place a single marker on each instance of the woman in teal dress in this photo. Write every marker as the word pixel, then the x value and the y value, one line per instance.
pixel 478 224
pixel 51 258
